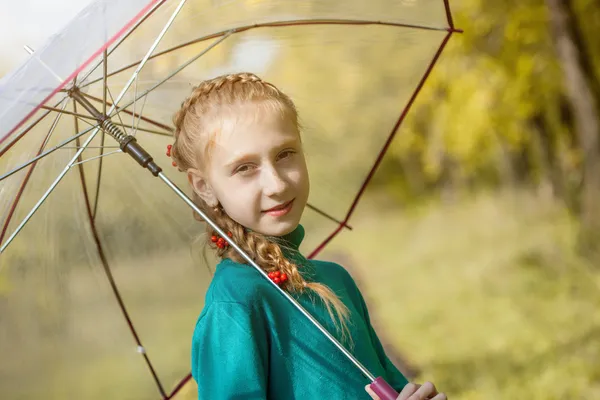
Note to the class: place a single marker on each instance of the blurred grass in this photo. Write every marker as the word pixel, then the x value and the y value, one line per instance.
pixel 486 296
pixel 94 355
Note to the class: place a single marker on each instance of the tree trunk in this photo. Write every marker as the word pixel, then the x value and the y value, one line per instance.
pixel 546 149
pixel 578 84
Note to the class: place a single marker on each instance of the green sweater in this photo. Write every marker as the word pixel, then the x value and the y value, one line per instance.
pixel 251 343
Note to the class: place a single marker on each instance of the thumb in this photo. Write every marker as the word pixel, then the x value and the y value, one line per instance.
pixel 371 393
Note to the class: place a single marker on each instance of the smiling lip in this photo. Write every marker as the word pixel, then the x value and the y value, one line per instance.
pixel 280 210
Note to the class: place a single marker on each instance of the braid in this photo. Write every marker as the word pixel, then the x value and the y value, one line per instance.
pixel 220 90
pixel 191 126
pixel 269 256
pixel 205 88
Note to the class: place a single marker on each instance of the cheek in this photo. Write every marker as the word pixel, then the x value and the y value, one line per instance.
pixel 239 195
pixel 301 176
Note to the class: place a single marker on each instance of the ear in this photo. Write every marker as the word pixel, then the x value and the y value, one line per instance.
pixel 202 187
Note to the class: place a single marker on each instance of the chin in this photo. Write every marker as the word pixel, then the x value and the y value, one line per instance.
pixel 279 228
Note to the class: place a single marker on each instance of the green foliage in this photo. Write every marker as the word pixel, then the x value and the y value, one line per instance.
pixel 494 100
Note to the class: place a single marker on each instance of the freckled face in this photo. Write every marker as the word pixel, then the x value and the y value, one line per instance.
pixel 258 172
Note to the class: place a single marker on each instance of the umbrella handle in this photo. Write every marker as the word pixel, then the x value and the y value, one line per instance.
pixel 383 389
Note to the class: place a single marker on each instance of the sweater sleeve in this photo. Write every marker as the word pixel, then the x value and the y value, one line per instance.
pixel 394 377
pixel 230 353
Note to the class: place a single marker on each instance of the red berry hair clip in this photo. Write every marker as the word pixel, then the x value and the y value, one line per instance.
pixel 278 277
pixel 219 241
pixel 169 147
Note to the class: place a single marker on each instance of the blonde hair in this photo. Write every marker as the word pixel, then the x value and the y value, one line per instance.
pixel 193 122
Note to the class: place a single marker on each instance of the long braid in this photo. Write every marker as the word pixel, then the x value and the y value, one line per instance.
pixel 189 122
pixel 269 256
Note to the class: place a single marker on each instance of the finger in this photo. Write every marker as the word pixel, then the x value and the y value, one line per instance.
pixel 425 391
pixel 407 391
pixel 371 393
pixel 440 396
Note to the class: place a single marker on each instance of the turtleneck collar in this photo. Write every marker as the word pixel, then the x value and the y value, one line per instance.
pixel 293 240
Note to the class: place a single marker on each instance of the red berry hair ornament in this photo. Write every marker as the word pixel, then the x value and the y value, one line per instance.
pixel 278 277
pixel 219 241
pixel 169 147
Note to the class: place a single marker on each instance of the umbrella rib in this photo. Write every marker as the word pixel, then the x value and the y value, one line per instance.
pixel 97 157
pixel 112 281
pixel 103 137
pixel 62 174
pixel 27 129
pixel 91 147
pixel 17 198
pixel 278 24
pixel 82 176
pixel 449 14
pixel 109 275
pixel 323 213
pixel 75 114
pixel 134 103
pixel 113 102
pixel 118 43
pixel 44 154
pixel 81 67
pixel 69 165
pixel 386 145
pixel 137 125
pixel 104 80
pixel 179 386
pixel 176 71
pixel 144 118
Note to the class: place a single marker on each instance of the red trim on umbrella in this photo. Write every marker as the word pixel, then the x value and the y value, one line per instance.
pixel 82 66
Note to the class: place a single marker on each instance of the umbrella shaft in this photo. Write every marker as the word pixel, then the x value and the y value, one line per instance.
pixel 251 262
pixel 89 107
pixel 127 143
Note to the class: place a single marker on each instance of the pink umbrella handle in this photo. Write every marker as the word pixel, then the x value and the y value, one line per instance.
pixel 383 389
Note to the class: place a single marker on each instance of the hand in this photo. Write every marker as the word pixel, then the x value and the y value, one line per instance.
pixel 412 391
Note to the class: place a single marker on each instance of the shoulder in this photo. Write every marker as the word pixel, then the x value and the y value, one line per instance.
pixel 335 275
pixel 332 269
pixel 236 283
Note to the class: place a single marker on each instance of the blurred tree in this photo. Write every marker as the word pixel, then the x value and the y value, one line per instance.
pixel 579 81
pixel 495 111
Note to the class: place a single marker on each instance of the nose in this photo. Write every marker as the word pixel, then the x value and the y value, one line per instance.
pixel 272 182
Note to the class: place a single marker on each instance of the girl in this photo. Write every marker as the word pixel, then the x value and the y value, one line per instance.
pixel 237 138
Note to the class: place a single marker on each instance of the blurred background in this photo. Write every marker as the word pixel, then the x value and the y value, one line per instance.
pixel 475 244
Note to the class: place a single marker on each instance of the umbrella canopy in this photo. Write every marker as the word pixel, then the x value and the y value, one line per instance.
pixel 102 274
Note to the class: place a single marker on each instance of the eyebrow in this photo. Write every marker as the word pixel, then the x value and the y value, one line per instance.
pixel 247 157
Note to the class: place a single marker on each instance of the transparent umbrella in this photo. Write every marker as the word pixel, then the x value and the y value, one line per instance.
pixel 101 279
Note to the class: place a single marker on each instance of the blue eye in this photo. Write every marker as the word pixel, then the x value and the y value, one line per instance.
pixel 285 154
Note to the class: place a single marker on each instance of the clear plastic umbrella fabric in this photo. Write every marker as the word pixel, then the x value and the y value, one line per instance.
pixel 102 271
